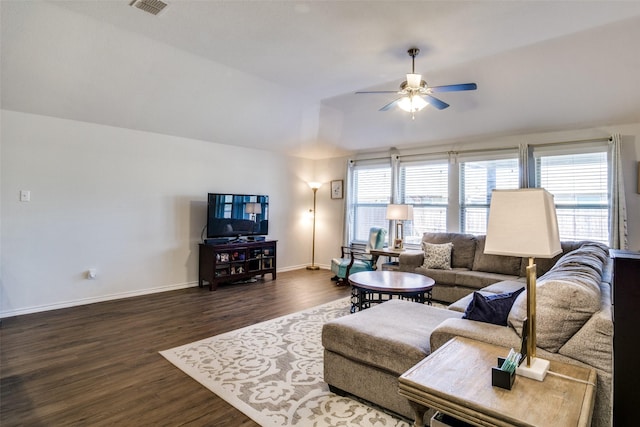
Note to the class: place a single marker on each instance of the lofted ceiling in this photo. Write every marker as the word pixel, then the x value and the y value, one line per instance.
pixel 281 75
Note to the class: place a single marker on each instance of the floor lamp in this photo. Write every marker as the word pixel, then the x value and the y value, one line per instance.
pixel 314 186
pixel 523 223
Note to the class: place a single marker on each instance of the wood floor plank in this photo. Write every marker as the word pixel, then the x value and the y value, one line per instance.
pixel 99 365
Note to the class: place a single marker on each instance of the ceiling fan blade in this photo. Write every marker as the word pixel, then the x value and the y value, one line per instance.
pixel 440 105
pixel 454 88
pixel 390 105
pixel 377 91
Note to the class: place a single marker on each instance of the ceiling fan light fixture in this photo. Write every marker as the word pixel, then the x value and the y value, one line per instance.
pixel 412 103
pixel 414 80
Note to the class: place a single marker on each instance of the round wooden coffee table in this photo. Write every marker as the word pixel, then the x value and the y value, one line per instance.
pixel 374 287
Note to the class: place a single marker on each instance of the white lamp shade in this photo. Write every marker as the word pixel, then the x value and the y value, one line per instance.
pixel 400 212
pixel 522 223
pixel 253 208
pixel 315 185
pixel 413 81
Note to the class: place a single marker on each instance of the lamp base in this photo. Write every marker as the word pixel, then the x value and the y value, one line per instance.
pixel 537 370
pixel 313 267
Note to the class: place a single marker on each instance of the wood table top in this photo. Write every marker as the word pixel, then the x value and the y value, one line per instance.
pixel 456 379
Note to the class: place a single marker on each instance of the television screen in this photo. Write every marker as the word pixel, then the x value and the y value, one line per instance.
pixel 235 215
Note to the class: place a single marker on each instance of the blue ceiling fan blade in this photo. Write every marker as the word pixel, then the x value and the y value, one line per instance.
pixel 390 105
pixel 454 88
pixel 377 91
pixel 440 105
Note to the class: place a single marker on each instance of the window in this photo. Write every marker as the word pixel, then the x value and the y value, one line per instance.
pixel 456 196
pixel 370 195
pixel 578 182
pixel 426 187
pixel 477 180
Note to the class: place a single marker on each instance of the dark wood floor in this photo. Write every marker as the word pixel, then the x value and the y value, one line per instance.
pixel 99 365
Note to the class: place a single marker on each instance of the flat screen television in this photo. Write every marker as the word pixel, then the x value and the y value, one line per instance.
pixel 237 215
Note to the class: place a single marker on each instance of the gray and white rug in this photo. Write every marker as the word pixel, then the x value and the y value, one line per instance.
pixel 272 372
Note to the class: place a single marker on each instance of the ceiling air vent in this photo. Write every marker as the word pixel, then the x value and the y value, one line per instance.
pixel 154 7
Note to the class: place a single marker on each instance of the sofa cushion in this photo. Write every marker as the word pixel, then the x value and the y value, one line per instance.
pixel 437 256
pixel 480 279
pixel 442 277
pixel 369 337
pixel 491 308
pixel 545 264
pixel 567 296
pixel 464 246
pixel 495 263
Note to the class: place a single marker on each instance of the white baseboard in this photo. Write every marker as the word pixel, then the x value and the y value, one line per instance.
pixel 92 300
pixel 121 295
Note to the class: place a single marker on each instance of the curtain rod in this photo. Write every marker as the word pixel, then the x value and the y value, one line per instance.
pixel 450 152
pixel 576 141
pixel 484 150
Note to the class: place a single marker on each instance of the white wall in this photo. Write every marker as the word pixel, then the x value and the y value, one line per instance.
pixel 133 204
pixel 130 204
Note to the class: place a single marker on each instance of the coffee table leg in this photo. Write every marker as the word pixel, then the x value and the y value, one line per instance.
pixel 355 299
pixel 419 410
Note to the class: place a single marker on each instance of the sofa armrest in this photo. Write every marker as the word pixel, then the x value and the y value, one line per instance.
pixel 503 336
pixel 410 261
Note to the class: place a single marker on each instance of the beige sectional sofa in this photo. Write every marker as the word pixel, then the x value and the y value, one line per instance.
pixel 472 269
pixel 366 352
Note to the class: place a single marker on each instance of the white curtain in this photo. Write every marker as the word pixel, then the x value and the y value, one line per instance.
pixel 617 202
pixel 523 161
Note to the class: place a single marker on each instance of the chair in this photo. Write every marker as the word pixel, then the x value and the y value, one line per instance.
pixel 357 258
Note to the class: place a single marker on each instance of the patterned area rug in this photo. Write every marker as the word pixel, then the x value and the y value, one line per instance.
pixel 272 372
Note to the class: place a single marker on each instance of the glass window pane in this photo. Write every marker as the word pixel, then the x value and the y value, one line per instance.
pixel 426 187
pixel 579 184
pixel 371 195
pixel 477 180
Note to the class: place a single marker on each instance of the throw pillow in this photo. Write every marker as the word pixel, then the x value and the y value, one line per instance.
pixel 491 308
pixel 437 256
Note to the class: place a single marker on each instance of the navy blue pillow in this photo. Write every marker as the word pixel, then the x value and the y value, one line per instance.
pixel 491 308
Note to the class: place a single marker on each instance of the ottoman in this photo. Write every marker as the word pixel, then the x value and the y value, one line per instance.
pixel 366 352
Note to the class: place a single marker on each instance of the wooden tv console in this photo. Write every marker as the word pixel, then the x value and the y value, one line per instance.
pixel 233 262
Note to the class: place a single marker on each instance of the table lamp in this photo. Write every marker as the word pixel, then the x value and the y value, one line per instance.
pixel 523 223
pixel 252 209
pixel 399 213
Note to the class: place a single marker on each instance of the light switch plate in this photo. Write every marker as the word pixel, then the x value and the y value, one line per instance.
pixel 25 195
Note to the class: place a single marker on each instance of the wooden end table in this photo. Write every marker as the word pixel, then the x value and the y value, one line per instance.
pixel 374 287
pixel 390 254
pixel 456 380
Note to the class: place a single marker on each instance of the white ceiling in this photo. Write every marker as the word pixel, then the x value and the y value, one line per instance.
pixel 281 75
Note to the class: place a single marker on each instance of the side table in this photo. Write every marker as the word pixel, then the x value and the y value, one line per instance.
pixel 390 253
pixel 456 380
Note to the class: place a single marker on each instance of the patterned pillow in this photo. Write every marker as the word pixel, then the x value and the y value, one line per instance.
pixel 437 256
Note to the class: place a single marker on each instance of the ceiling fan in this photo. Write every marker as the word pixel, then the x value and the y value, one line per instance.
pixel 416 94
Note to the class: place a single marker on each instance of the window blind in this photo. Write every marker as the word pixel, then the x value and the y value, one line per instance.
pixel 579 185
pixel 371 193
pixel 477 180
pixel 426 187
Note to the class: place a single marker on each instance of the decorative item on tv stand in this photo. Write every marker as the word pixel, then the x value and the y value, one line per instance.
pixel 523 223
pixel 399 213
pixel 314 186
